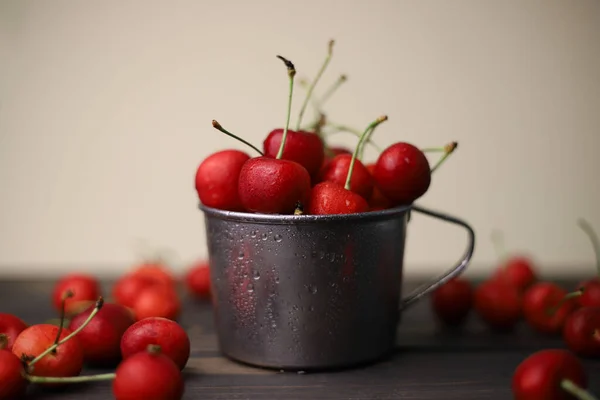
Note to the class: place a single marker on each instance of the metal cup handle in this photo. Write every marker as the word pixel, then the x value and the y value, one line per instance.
pixel 421 291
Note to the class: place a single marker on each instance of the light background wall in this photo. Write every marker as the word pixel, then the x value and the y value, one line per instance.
pixel 105 110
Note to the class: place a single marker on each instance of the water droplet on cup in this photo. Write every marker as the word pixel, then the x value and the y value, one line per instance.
pixel 256 275
pixel 278 238
pixel 253 234
pixel 241 255
pixel 250 287
pixel 276 279
pixel 264 236
pixel 312 289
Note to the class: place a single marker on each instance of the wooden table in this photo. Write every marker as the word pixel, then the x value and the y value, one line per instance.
pixel 430 363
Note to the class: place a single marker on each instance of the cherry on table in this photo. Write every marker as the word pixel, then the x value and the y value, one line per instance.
pixel 591 287
pixel 148 375
pixel 157 301
pixel 516 269
pixel 84 289
pixel 156 270
pixel 498 304
pixel 197 280
pixel 127 288
pixel 581 332
pixel 452 302
pixel 12 384
pixel 101 337
pixel 217 180
pixel 11 326
pixel 551 374
pixel 169 335
pixel 337 171
pixel 546 306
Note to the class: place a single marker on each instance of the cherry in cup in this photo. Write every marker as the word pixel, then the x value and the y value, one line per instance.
pixel 551 374
pixel 331 197
pixel 452 302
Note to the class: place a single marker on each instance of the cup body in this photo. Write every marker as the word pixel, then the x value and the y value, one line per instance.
pixel 306 292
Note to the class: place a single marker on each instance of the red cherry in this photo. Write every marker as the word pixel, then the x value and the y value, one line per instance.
pixel 331 198
pixel 517 271
pixel 545 307
pixel 305 148
pixel 157 271
pixel 217 180
pixel 377 201
pixel 66 360
pixel 157 301
pixel 101 337
pixel 197 280
pixel 169 335
pixel 127 288
pixel 591 293
pixel 541 375
pixel 85 290
pixel 12 383
pixel 273 186
pixel 402 173
pixel 581 332
pixel 331 152
pixel 337 171
pixel 148 375
pixel 452 301
pixel 10 326
pixel 498 304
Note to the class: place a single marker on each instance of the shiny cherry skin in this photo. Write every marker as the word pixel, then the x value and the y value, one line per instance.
pixel 11 326
pixel 377 201
pixel 538 303
pixel 518 271
pixel 331 198
pixel 336 171
pixel 305 148
pixel 591 294
pixel 85 289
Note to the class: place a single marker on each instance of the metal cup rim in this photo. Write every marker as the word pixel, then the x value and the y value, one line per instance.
pixel 281 219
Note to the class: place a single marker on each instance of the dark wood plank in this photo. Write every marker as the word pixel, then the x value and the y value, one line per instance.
pixel 430 363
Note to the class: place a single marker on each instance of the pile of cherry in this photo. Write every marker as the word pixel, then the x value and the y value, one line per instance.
pixel 515 292
pixel 136 333
pixel 298 173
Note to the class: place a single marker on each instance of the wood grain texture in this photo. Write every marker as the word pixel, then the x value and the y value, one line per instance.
pixel 430 363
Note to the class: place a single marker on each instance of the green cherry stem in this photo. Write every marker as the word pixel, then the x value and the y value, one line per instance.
pixel 218 127
pixel 291 70
pixel 434 149
pixel 355 132
pixel 314 83
pixel 568 296
pixel 448 149
pixel 332 89
pixel 497 239
pixel 371 126
pixel 586 227
pixel 361 151
pixel 577 391
pixel 99 304
pixel 70 379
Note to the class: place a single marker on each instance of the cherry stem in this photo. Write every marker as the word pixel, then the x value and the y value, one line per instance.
pixel 568 296
pixel 371 126
pixel 591 234
pixel 332 89
pixel 314 82
pixel 153 349
pixel 218 127
pixel 67 295
pixel 3 341
pixel 70 379
pixel 291 74
pixel 448 149
pixel 577 391
pixel 434 149
pixel 355 132
pixel 99 304
pixel 361 151
pixel 497 238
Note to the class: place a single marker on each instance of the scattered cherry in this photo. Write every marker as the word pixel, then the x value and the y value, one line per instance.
pixel 402 173
pixel 275 185
pixel 217 180
pixel 197 280
pixel 12 383
pixel 101 337
pixel 128 287
pixel 169 335
pixel 148 375
pixel 517 270
pixel 328 197
pixel 156 270
pixel 546 306
pixel 10 326
pixel 453 301
pixel 581 332
pixel 498 304
pixel 157 301
pixel 551 374
pixel 84 288
pixel 591 293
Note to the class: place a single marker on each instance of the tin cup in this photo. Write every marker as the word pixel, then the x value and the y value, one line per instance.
pixel 312 292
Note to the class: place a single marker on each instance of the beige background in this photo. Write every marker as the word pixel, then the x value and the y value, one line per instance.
pixel 105 110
